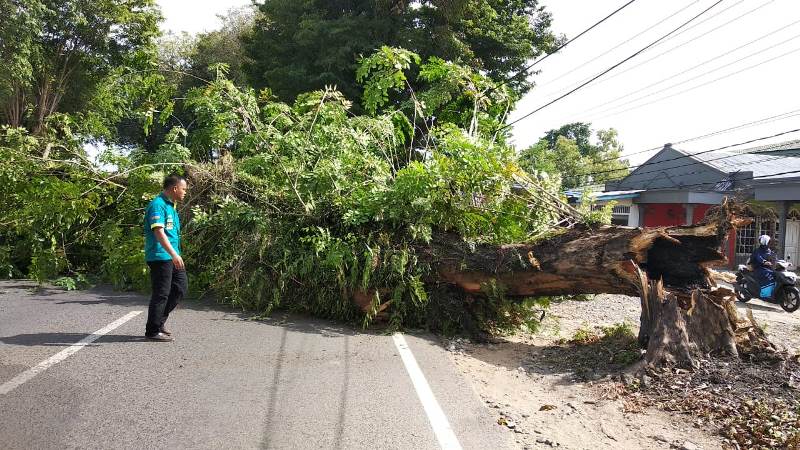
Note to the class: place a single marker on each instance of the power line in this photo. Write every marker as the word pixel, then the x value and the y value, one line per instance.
pixel 711 17
pixel 750 178
pixel 624 42
pixel 697 66
pixel 692 155
pixel 704 170
pixel 531 65
pixel 701 85
pixel 714 183
pixel 670 50
pixel 774 157
pixel 764 120
pixel 614 66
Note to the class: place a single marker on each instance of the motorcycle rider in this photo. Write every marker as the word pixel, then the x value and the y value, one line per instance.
pixel 761 260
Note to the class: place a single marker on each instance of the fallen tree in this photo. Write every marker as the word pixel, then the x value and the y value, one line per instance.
pixel 313 209
pixel 685 316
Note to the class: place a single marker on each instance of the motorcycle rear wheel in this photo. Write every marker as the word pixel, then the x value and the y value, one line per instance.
pixel 791 299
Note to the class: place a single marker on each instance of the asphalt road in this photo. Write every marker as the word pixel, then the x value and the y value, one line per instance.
pixel 225 382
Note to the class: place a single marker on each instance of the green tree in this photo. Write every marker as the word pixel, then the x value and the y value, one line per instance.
pixel 568 152
pixel 302 45
pixel 186 62
pixel 579 132
pixel 448 93
pixel 224 46
pixel 62 50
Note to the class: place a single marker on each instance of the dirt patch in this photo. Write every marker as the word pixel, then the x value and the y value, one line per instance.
pixel 550 390
pixel 563 386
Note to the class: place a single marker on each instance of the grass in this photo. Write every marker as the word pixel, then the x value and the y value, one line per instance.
pixel 615 344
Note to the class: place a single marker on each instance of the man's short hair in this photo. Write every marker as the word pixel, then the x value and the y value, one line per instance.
pixel 173 179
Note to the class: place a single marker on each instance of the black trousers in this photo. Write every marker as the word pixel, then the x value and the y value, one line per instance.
pixel 169 287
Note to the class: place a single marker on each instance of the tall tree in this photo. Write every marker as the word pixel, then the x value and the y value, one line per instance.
pixel 224 46
pixel 301 45
pixel 186 62
pixel 62 50
pixel 569 152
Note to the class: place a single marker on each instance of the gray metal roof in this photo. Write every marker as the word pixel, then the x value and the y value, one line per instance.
pixel 790 146
pixel 672 168
pixel 762 165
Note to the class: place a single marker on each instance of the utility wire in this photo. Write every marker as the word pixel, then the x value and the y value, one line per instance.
pixel 614 66
pixel 623 42
pixel 750 178
pixel 727 156
pixel 716 182
pixel 531 65
pixel 690 41
pixel 704 170
pixel 711 17
pixel 691 155
pixel 764 120
pixel 782 55
pixel 695 67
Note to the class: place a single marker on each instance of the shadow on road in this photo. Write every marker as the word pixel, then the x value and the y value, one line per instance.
pixel 289 323
pixel 65 339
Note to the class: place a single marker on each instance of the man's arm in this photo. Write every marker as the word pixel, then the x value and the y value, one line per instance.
pixel 161 237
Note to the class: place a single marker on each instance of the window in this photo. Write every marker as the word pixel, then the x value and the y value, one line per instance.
pixel 747 236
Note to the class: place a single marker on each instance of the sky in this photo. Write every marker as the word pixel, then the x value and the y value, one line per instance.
pixel 765 90
pixel 643 97
pixel 195 16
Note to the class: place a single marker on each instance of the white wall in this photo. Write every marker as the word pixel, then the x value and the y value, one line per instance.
pixel 633 219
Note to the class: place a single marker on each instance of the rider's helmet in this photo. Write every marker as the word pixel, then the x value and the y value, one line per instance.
pixel 763 239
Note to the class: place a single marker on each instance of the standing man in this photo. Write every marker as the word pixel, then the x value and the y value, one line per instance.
pixel 162 249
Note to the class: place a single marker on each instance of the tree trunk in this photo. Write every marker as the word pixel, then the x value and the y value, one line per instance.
pixel 685 316
pixel 15 106
pixel 583 261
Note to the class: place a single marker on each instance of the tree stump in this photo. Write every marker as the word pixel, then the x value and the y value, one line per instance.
pixel 679 328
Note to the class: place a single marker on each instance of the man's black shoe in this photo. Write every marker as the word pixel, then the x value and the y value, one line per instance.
pixel 158 337
pixel 165 330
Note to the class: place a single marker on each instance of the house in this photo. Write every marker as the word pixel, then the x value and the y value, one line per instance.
pixel 675 187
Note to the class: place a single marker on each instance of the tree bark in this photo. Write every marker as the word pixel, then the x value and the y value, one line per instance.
pixel 685 316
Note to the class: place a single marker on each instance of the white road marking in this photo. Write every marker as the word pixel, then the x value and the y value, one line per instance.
pixel 20 379
pixel 441 427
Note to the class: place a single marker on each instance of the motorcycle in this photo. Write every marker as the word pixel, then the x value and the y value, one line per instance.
pixel 783 291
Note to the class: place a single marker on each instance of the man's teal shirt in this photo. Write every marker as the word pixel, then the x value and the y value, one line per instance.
pixel 161 213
